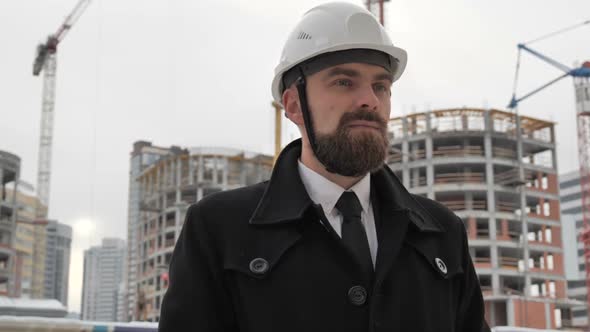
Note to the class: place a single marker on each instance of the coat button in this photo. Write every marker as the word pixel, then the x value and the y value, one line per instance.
pixel 259 266
pixel 357 295
pixel 441 265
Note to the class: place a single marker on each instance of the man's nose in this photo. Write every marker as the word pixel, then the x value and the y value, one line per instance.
pixel 367 99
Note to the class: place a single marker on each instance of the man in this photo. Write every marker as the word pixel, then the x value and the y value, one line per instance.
pixel 333 242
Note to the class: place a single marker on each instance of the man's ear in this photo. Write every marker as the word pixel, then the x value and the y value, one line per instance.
pixel 292 106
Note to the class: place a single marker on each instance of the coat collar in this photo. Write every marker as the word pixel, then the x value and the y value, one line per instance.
pixel 285 198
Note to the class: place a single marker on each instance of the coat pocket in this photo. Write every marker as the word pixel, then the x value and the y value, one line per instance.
pixel 257 256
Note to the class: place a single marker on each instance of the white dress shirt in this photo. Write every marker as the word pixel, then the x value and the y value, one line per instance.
pixel 326 193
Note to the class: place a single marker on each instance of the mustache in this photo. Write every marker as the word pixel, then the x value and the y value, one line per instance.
pixel 363 115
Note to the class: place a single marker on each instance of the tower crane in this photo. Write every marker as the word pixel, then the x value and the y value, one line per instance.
pixel 377 7
pixel 581 77
pixel 46 61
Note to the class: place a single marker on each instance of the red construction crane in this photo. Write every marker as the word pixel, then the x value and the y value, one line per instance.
pixel 46 61
pixel 377 7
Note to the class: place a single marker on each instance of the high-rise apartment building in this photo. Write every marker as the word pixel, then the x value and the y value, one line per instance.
pixel 143 155
pixel 122 298
pixel 27 274
pixel 162 192
pixel 573 223
pixel 39 258
pixel 103 274
pixel 9 178
pixel 57 261
pixel 498 172
pixel 24 245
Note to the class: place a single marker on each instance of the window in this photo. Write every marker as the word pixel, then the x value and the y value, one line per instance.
pixel 552 288
pixel 531 236
pixel 557 315
pixel 571 197
pixel 544 182
pixel 576 283
pixel 548 235
pixel 570 183
pixel 550 262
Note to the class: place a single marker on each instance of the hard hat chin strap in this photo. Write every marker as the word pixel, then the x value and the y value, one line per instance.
pixel 301 89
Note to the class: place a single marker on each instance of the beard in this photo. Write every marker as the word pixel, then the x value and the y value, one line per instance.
pixel 353 154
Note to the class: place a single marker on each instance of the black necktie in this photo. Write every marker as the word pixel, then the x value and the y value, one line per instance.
pixel 353 231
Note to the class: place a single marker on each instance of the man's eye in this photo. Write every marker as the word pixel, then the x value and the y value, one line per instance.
pixel 346 83
pixel 381 88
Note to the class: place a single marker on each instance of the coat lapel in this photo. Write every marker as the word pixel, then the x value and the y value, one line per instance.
pixel 390 236
pixel 285 201
pixel 395 211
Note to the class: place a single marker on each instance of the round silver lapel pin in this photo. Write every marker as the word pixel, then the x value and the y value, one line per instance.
pixel 441 265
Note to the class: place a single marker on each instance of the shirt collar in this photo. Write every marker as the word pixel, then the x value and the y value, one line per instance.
pixel 326 193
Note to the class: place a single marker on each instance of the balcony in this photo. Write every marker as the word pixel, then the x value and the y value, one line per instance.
pixel 170 223
pixel 507 290
pixel 511 236
pixel 510 178
pixel 504 153
pixel 5 251
pixel 460 178
pixel 5 225
pixel 482 262
pixel 169 243
pixel 152 231
pixel 461 205
pixel 506 206
pixel 4 274
pixel 149 206
pixel 395 155
pixel 487 290
pixel 458 151
pixel 510 263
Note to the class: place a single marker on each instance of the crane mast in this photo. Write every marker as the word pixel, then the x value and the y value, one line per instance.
pixel 582 90
pixel 377 7
pixel 46 61
pixel 46 136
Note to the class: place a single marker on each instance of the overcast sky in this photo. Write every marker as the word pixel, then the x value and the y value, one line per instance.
pixel 198 73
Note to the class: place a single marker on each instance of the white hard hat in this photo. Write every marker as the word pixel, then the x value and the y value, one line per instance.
pixel 333 27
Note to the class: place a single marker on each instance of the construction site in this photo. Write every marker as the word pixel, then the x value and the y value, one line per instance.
pixel 494 168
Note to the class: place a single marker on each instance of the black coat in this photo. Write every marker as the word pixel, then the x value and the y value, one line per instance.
pixel 258 259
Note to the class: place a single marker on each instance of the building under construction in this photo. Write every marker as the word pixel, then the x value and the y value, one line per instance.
pixel 166 189
pixel 498 172
pixel 9 176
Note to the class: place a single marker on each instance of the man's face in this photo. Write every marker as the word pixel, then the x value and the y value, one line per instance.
pixel 350 105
